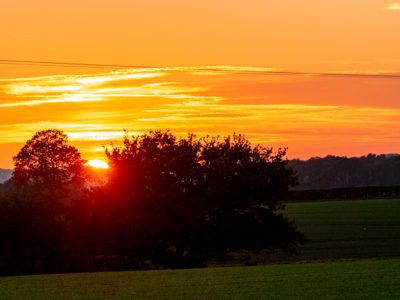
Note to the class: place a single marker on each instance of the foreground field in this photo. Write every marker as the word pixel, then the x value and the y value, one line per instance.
pixel 337 230
pixel 366 279
pixel 348 229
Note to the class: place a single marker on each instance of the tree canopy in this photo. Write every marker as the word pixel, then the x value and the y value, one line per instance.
pixel 168 202
pixel 37 206
pixel 200 198
pixel 48 159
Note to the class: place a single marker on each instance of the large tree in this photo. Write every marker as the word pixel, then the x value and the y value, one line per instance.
pixel 38 211
pixel 181 201
pixel 47 159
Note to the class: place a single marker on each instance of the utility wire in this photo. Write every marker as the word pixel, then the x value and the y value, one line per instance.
pixel 68 64
pixel 49 65
pixel 222 70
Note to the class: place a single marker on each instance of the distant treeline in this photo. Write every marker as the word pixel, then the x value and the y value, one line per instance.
pixel 337 173
pixel 369 192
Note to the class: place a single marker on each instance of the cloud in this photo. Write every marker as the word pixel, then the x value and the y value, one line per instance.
pixel 308 114
pixel 393 6
pixel 85 88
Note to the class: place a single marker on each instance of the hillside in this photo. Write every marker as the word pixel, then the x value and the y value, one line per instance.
pixel 5 175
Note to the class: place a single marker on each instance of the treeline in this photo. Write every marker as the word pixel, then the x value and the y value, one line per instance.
pixel 353 193
pixel 335 172
pixel 169 202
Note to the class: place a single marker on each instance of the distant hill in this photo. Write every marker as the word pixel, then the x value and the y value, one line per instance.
pixel 333 172
pixel 5 175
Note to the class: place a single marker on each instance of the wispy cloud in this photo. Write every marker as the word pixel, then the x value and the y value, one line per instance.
pixel 79 89
pixel 310 115
pixel 77 98
pixel 393 6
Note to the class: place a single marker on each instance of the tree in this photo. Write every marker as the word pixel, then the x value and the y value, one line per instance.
pixel 39 214
pixel 245 186
pixel 186 200
pixel 47 159
pixel 171 202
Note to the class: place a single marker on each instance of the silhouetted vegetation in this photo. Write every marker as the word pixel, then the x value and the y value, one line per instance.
pixel 368 192
pixel 48 161
pixel 36 206
pixel 335 172
pixel 169 202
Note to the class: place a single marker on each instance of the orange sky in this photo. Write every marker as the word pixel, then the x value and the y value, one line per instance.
pixel 312 115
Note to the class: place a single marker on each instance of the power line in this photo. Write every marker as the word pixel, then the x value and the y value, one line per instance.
pixel 48 65
pixel 382 76
pixel 68 64
pixel 216 69
pixel 326 74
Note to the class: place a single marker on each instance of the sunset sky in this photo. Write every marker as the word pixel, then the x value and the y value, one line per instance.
pixel 208 68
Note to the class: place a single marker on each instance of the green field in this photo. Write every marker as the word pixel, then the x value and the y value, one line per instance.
pixel 348 229
pixel 365 279
pixel 337 230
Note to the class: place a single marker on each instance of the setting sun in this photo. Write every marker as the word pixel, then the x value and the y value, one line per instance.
pixel 98 164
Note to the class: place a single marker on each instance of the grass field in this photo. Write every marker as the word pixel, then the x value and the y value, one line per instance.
pixel 365 279
pixel 336 229
pixel 348 229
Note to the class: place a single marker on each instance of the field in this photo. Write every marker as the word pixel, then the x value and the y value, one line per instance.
pixel 366 279
pixel 348 229
pixel 338 230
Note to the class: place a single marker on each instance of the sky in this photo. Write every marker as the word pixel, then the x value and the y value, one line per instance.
pixel 209 70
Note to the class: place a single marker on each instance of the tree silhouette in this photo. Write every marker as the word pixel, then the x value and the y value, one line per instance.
pixel 333 172
pixel 169 201
pixel 47 159
pixel 45 188
pixel 187 200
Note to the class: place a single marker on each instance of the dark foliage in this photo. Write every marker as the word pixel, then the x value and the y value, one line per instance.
pixel 48 160
pixel 368 192
pixel 36 205
pixel 334 172
pixel 191 199
pixel 168 202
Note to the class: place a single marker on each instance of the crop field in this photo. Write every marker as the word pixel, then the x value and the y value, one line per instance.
pixel 364 279
pixel 353 239
pixel 348 229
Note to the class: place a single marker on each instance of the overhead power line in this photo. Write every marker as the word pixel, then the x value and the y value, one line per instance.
pixel 67 64
pixel 216 69
pixel 295 73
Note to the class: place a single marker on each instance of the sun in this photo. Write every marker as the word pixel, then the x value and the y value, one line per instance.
pixel 98 164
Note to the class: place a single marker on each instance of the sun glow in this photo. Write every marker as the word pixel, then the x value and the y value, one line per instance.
pixel 98 164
